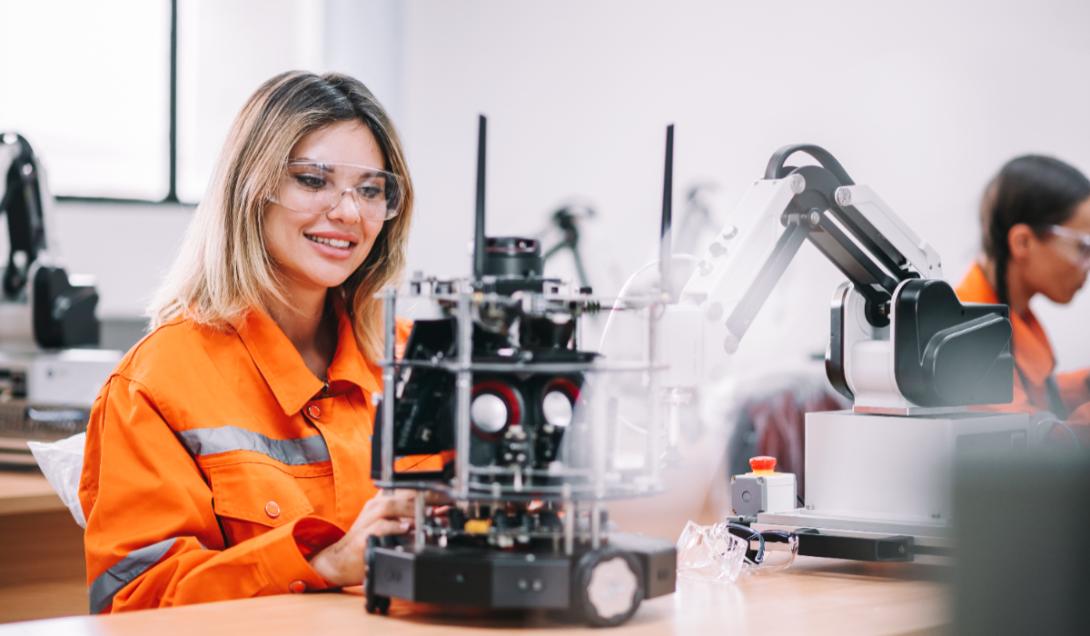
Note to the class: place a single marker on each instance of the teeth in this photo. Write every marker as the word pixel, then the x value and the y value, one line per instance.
pixel 330 242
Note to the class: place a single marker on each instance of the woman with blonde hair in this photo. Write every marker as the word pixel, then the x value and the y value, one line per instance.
pixel 228 455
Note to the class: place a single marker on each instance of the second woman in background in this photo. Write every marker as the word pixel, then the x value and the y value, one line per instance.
pixel 1035 222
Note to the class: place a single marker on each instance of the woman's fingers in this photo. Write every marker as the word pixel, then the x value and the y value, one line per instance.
pixel 433 498
pixel 385 527
pixel 395 505
pixel 387 506
pixel 384 506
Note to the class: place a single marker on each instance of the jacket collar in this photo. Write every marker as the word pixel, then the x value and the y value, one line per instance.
pixel 283 368
pixel 349 363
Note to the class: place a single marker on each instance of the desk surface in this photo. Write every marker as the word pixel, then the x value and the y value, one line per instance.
pixel 815 596
pixel 26 491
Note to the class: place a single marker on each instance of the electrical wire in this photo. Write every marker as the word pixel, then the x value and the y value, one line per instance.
pixel 624 291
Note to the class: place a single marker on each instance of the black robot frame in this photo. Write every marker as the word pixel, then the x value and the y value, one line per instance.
pixel 484 406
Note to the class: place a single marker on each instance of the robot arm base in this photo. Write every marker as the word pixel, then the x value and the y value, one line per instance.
pixel 947 353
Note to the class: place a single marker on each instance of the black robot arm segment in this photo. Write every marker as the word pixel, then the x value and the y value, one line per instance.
pixel 842 232
pixel 22 203
pixel 821 211
pixel 900 339
pixel 778 168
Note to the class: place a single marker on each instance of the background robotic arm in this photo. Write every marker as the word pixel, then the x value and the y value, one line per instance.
pixel 900 341
pixel 61 313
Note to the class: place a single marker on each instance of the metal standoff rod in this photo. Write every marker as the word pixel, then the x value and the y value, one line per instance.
pixel 599 447
pixel 569 521
pixel 389 301
pixel 418 519
pixel 464 395
pixel 596 524
pixel 653 441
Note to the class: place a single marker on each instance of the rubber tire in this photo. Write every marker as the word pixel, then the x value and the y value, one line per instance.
pixel 584 570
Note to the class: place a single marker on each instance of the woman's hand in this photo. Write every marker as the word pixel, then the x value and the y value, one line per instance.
pixel 343 562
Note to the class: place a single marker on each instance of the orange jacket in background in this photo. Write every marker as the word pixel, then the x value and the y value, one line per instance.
pixel 1033 359
pixel 216 463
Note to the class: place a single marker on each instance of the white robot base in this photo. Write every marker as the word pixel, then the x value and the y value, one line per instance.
pixel 878 487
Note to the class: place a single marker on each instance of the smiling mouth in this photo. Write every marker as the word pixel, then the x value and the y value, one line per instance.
pixel 338 243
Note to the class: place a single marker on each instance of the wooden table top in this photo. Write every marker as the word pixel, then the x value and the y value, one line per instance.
pixel 815 596
pixel 26 490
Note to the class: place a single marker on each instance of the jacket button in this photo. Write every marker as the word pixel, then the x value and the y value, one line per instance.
pixel 314 411
pixel 272 509
pixel 297 587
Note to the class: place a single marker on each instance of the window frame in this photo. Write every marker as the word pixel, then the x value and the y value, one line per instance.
pixel 171 197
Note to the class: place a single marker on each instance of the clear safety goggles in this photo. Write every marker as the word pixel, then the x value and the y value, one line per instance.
pixel 720 551
pixel 318 187
pixel 1076 244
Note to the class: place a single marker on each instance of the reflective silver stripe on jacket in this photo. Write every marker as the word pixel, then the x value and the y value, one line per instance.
pixel 124 571
pixel 222 439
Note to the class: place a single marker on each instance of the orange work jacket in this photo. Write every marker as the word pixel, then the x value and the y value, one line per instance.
pixel 1033 359
pixel 217 463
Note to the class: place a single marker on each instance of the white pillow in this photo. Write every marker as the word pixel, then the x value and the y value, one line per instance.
pixel 61 463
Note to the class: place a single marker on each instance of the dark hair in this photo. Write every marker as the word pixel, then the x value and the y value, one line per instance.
pixel 1032 189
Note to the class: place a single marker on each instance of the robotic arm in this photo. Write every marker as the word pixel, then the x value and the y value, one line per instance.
pixel 900 340
pixel 61 314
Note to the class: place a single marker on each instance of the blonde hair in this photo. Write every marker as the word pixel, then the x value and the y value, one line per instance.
pixel 224 268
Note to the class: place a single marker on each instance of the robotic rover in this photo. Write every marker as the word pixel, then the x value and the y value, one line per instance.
pixel 495 405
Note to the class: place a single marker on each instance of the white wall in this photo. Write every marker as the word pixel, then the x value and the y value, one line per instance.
pixel 923 101
pixel 226 49
pixel 127 247
pixel 365 39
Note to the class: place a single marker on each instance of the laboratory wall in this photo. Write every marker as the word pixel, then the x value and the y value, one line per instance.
pixel 922 101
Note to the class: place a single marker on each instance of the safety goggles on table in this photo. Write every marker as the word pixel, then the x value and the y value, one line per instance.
pixel 720 551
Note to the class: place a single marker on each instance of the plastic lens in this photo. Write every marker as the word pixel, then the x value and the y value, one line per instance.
pixel 710 552
pixel 718 552
pixel 1076 244
pixel 318 187
pixel 778 552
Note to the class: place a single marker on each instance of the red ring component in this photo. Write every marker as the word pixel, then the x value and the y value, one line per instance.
pixel 564 385
pixel 762 464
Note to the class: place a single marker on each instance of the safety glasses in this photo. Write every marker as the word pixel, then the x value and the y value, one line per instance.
pixel 1077 244
pixel 318 187
pixel 719 552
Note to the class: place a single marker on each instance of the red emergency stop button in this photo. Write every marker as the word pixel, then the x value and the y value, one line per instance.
pixel 762 465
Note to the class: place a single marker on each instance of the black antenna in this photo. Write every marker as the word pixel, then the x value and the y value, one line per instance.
pixel 478 237
pixel 665 247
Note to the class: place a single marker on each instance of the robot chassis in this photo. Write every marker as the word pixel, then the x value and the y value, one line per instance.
pixel 488 406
